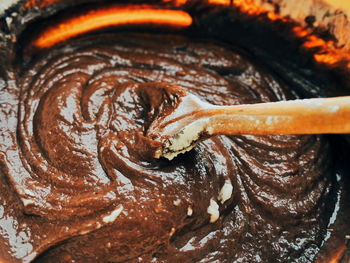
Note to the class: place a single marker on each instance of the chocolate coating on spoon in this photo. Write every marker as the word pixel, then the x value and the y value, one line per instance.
pixel 79 184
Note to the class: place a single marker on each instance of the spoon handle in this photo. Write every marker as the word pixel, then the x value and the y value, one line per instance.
pixel 308 116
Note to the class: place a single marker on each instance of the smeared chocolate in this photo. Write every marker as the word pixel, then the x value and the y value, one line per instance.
pixel 78 186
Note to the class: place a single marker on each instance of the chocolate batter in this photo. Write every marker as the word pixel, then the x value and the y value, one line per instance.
pixel 78 183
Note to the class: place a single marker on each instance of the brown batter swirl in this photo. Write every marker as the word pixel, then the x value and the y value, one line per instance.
pixel 87 191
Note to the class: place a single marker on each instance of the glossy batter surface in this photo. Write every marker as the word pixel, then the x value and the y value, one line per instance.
pixel 79 185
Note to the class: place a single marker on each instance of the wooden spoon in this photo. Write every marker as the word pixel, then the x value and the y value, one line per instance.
pixel 194 120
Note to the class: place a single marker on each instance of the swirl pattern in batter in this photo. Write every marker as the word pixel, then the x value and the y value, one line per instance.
pixel 85 189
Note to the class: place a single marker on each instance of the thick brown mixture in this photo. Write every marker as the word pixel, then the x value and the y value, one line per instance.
pixel 77 184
